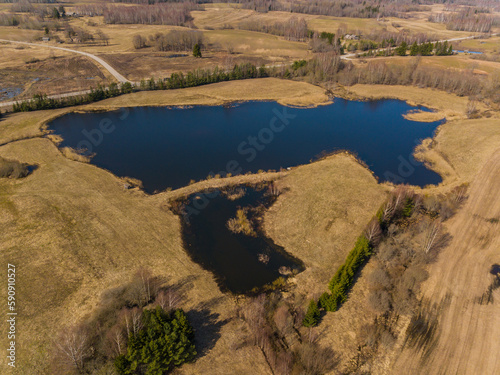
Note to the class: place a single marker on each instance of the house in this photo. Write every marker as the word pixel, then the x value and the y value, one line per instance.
pixel 351 37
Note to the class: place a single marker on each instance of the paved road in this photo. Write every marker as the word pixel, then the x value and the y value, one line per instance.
pixel 108 67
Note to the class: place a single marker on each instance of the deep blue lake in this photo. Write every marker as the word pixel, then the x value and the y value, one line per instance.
pixel 167 147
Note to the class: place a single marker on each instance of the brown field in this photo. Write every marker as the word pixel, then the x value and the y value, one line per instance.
pixel 460 147
pixel 100 232
pixel 219 15
pixel 75 231
pixel 491 45
pixel 460 62
pixel 137 66
pixel 465 340
pixel 446 105
pixel 54 74
pixel 284 92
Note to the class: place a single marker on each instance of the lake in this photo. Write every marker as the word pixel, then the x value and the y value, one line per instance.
pixel 168 147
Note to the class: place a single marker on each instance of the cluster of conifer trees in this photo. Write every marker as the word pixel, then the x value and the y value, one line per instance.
pixel 165 341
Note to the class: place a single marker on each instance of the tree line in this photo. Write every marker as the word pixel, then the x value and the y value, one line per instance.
pixel 175 81
pixel 295 28
pixel 177 14
pixel 337 8
pixel 43 102
pixel 465 20
pixel 399 266
pixel 174 40
pixel 417 221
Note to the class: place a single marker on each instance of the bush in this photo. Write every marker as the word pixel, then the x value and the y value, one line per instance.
pixel 312 316
pixel 13 169
pixel 139 41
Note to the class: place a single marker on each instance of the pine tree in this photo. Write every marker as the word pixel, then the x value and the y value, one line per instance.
pixel 312 315
pixel 414 50
pixel 165 341
pixel 196 50
pixel 401 50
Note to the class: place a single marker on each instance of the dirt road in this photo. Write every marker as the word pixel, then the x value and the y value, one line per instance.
pixel 108 67
pixel 466 339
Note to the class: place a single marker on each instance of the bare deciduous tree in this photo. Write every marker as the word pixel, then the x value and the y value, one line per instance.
pixel 116 340
pixel 73 347
pixel 373 233
pixel 168 299
pixel 432 236
pixel 131 319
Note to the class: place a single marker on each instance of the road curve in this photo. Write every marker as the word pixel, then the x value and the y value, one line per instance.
pixel 108 67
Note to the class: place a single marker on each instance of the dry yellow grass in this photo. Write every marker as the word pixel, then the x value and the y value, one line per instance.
pixel 461 147
pixel 74 231
pixel 324 208
pixel 76 228
pixel 447 105
pixel 283 91
pixel 25 125
pixel 465 339
pixel 458 62
pixel 256 43
pixel 423 116
pixel 318 220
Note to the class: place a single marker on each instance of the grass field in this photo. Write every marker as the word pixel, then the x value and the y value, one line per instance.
pixel 491 45
pixel 447 105
pixel 74 230
pixel 99 232
pixel 451 297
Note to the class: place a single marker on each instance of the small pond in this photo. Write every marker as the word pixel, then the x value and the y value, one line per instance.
pixel 240 261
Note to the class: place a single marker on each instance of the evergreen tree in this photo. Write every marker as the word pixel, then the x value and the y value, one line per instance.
pixel 326 302
pixel 414 50
pixel 196 50
pixel 165 341
pixel 401 50
pixel 312 315
pixel 55 13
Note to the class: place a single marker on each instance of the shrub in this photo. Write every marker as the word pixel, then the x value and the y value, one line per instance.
pixel 13 169
pixel 139 41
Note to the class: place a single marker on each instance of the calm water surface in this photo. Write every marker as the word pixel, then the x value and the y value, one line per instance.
pixel 167 147
pixel 239 262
